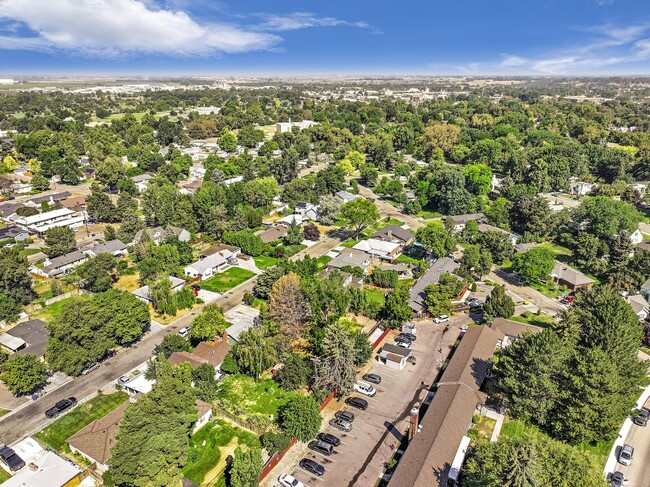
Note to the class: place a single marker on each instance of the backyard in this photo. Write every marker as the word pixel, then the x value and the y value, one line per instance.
pixel 56 434
pixel 263 261
pixel 542 319
pixel 227 280
pixel 375 295
pixel 209 448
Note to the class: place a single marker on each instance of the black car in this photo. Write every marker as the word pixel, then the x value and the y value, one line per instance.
pixel 642 418
pixel 407 336
pixel 321 447
pixel 347 415
pixel 328 438
pixel 10 459
pixel 60 407
pixel 403 338
pixel 312 466
pixel 357 402
pixel 374 378
pixel 618 480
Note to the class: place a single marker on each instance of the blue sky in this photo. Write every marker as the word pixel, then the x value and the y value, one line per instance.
pixel 275 37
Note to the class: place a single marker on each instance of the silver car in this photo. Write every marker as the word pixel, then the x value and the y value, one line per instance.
pixel 626 455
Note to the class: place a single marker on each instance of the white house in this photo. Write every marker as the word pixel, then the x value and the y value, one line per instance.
pixel 639 305
pixel 580 188
pixel 303 207
pixel 204 414
pixel 231 181
pixel 144 293
pixel 114 247
pixel 636 237
pixel 379 248
pixel 57 218
pixel 291 219
pixel 142 181
pixel 197 172
pixel 207 267
pixel 63 264
pixel 346 196
pixel 460 221
pixel 283 127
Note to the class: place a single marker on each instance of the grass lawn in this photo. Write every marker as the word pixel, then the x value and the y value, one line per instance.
pixel 27 252
pixel 562 254
pixel 253 401
pixel 53 310
pixel 351 326
pixel 375 296
pixel 322 261
pixel 550 289
pixel 227 280
pixel 426 214
pixel 290 250
pixel 263 261
pixel 4 411
pixel 483 430
pixel 209 448
pixel 543 320
pixel 4 475
pixel 348 244
pixel 63 428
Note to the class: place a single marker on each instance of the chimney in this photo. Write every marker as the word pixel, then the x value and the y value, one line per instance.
pixel 414 418
pixel 224 336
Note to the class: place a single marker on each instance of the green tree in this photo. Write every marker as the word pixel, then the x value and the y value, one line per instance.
pixel 478 178
pixel 476 261
pixel 59 241
pixel 100 206
pixel 246 467
pixel 359 213
pixel 209 324
pixel 286 306
pixel 300 418
pixel 15 279
pixel 171 344
pixel 294 235
pixel 23 374
pixel 110 172
pixel 295 372
pixel 396 307
pixel 438 297
pixel 534 266
pixel 335 369
pixel 205 383
pixel 96 273
pixel 227 142
pixel 605 217
pixel 498 304
pixel 436 239
pixel 253 352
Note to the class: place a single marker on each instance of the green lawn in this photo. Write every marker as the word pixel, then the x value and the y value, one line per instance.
pixel 27 252
pixel 322 261
pixel 227 280
pixel 375 296
pixel 290 250
pixel 250 400
pixel 562 254
pixel 53 310
pixel 550 289
pixel 348 244
pixel 263 261
pixel 543 320
pixel 56 434
pixel 427 215
pixel 4 475
pixel 205 450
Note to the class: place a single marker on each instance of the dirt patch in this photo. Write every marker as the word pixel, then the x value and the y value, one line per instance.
pixel 212 477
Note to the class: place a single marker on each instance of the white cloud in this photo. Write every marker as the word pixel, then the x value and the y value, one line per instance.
pixel 112 27
pixel 513 61
pixel 303 20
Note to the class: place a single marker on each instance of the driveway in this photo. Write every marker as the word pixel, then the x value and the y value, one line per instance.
pixel 386 209
pixel 549 306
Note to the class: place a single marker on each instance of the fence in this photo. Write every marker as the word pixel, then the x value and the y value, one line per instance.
pixel 238 422
pixel 63 296
pixel 380 339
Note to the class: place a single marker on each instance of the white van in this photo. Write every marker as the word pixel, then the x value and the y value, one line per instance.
pixel 184 331
pixel 364 388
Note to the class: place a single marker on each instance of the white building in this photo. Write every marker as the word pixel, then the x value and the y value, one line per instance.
pixel 57 218
pixel 207 267
pixel 142 181
pixel 283 127
pixel 379 248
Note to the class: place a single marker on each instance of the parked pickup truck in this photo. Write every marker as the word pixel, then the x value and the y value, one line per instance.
pixel 10 459
pixel 60 407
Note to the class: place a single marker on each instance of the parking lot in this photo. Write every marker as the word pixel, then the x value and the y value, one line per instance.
pixel 377 431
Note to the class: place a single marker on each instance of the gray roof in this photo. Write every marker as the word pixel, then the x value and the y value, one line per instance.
pixel 395 349
pixel 141 178
pixel 10 232
pixel 351 257
pixel 9 209
pixel 160 233
pixel 484 227
pixel 346 195
pixel 459 219
pixel 54 197
pixel 144 292
pixel 108 247
pixel 242 318
pixel 646 285
pixel 431 276
pixel 64 260
pixel 569 274
pixel 393 231
pixel 34 333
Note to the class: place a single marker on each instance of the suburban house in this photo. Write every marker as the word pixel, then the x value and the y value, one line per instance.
pixel 64 264
pixel 394 234
pixel 31 337
pixel 190 187
pixel 76 203
pixel 431 276
pixel 219 248
pixel 11 344
pixel 640 306
pixel 242 318
pixel 346 196
pixel 139 385
pixel 294 219
pixel 46 468
pixel 645 287
pixel 57 218
pixel 229 182
pixel 95 440
pixel 303 207
pixel 197 172
pixel 21 188
pixel 522 248
pixel 144 293
pixel 570 277
pixel 460 221
pixel 8 211
pixel 204 414
pixel 50 199
pixel 352 258
pixel 205 268
pixel 484 227
pixel 271 234
pixel 379 248
pixel 13 232
pixel 211 353
pixel 513 330
pixel 159 234
pixel 113 247
pixel 142 181
pixel 436 451
pixel 580 188
pixel 283 127
pixel 348 279
pixel 394 356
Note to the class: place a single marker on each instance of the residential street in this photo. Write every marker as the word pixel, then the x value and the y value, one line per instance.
pixel 639 472
pixel 549 306
pixel 386 209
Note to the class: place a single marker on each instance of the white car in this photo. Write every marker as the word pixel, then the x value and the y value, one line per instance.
pixel 290 481
pixel 364 388
pixel 406 345
pixel 441 319
pixel 184 331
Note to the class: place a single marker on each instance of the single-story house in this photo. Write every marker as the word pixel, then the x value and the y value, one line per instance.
pixel 15 232
pixel 144 293
pixel 203 416
pixel 431 276
pixel 570 277
pixel 21 188
pixel 640 306
pixel 96 439
pixel 211 353
pixel 205 268
pixel 379 248
pixel 64 264
pixel 142 181
pixel 393 356
pixel 8 211
pixel 522 248
pixel 401 269
pixel 580 188
pixel 113 247
pixel 159 234
pixel 352 258
pixel 271 234
pixel 76 203
pixel 484 227
pixel 294 219
pixel 139 385
pixel 34 334
pixel 394 234
pixel 513 330
pixel 42 222
pixel 215 249
pixel 50 199
pixel 11 344
pixel 460 221
pixel 242 318
pixel 190 187
pixel 348 279
pixel 197 172
pixel 346 196
pixel 229 182
pixel 46 468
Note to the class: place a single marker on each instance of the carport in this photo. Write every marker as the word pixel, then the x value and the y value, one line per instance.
pixel 394 357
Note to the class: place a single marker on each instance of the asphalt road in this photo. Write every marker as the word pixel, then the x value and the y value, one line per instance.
pixel 386 209
pixel 639 472
pixel 549 306
pixel 31 418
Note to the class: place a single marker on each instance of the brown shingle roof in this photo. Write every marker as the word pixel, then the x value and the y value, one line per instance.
pixel 97 438
pixel 182 357
pixel 513 328
pixel 273 233
pixel 212 352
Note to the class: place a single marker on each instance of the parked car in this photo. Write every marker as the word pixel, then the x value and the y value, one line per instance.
pixel 10 458
pixel 364 388
pixel 441 319
pixel 403 344
pixel 289 481
pixel 474 303
pixel 407 336
pixel 374 378
pixel 312 466
pixel 321 447
pixel 60 407
pixel 626 455
pixel 328 438
pixel 184 331
pixel 357 402
pixel 123 380
pixel 618 480
pixel 642 417
pixel 346 415
pixel 90 368
pixel 341 424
